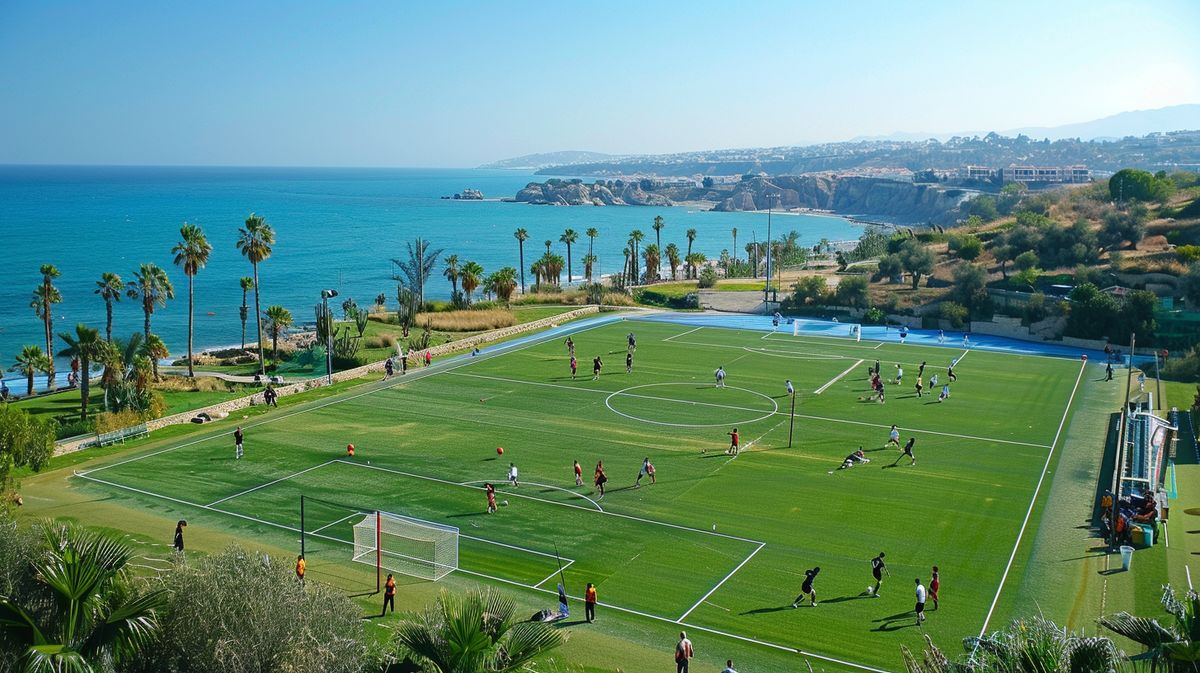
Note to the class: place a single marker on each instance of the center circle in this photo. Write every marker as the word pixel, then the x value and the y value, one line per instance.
pixel 733 405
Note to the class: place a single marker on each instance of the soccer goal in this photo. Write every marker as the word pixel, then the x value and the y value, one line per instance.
pixel 822 328
pixel 404 545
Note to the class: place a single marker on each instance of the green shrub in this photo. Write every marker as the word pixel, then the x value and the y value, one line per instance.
pixel 954 313
pixel 1188 253
pixel 874 316
pixel 708 277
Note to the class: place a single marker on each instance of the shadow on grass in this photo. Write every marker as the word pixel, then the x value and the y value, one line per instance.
pixel 843 599
pixel 763 611
pixel 1114 571
pixel 458 516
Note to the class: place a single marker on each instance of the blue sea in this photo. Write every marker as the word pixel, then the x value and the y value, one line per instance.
pixel 335 228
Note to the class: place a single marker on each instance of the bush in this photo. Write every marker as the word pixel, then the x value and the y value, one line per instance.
pixel 966 247
pixel 617 299
pixel 244 611
pixel 810 289
pixel 1188 253
pixel 708 277
pixel 654 297
pixel 110 421
pixel 953 312
pixel 874 316
pixel 468 321
pixel 380 341
pixel 852 291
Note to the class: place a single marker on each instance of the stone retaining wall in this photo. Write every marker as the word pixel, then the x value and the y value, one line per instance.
pixel 416 357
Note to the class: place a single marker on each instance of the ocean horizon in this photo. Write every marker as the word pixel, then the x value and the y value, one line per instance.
pixel 335 228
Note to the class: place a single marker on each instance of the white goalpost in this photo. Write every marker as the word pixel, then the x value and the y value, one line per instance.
pixel 405 545
pixel 854 330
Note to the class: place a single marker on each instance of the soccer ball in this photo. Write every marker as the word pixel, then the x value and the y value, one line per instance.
pixel 505 503
pixel 499 450
pixel 870 590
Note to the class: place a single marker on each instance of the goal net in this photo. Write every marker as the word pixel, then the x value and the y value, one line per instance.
pixel 828 329
pixel 404 545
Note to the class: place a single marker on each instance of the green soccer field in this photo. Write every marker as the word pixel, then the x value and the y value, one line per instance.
pixel 718 544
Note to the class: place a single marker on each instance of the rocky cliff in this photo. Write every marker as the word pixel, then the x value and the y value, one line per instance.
pixel 869 197
pixel 575 193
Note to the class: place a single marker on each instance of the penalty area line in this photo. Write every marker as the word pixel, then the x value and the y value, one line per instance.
pixel 837 378
pixel 718 584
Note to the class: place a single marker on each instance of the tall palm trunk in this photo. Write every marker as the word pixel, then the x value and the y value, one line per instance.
pixel 521 252
pixel 85 384
pixel 191 318
pixel 48 323
pixel 262 363
pixel 244 319
pixel 568 262
pixel 108 320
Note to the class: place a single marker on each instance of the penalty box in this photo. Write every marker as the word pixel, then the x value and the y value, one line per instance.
pixel 657 568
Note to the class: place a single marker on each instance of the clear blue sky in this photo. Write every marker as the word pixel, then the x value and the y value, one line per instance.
pixel 395 83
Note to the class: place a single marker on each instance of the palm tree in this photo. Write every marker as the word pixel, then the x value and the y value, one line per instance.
pixel 589 260
pixel 569 236
pixel 651 255
pixel 100 617
pixel 734 248
pixel 30 361
pixel 691 238
pixel 192 254
pixel 109 287
pixel 247 284
pixel 636 237
pixel 504 283
pixel 153 349
pixel 451 274
pixel 521 235
pixel 153 288
pixel 278 320
pixel 44 298
pixel 86 345
pixel 548 243
pixel 658 227
pixel 254 242
pixel 625 269
pixel 472 275
pixel 1174 647
pixel 417 267
pixel 592 233
pixel 673 258
pixel 474 633
pixel 694 260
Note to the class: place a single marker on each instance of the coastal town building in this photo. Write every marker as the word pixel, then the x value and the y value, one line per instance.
pixel 1060 174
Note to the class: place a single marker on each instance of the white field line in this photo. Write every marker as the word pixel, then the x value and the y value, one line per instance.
pixel 269 483
pixel 531 483
pixel 736 408
pixel 551 575
pixel 718 584
pixel 837 378
pixel 512 546
pixel 784 352
pixel 334 523
pixel 493 351
pixel 958 360
pixel 561 504
pixel 520 584
pixel 674 336
pixel 1032 502
pixel 801 340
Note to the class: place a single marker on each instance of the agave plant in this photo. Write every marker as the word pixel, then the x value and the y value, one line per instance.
pixel 96 617
pixel 1034 645
pixel 474 633
pixel 1172 648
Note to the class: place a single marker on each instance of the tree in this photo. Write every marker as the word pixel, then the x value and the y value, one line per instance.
pixel 589 261
pixel 917 260
pixel 1026 260
pixel 246 284
pixel 1174 646
pixel 891 267
pixel 45 296
pixel 254 242
pixel 101 617
pixel 695 260
pixel 853 291
pixel 30 361
pixel 1124 225
pixel 691 238
pixel 982 206
pixel 191 253
pixel 504 283
pixel 279 319
pixel 734 248
pixel 109 287
pixel 569 237
pixel 810 289
pixel 658 227
pixel 970 289
pixel 1191 284
pixel 954 313
pixel 1137 313
pixel 1093 313
pixel 153 349
pixel 153 288
pixel 474 633
pixel 652 257
pixel 1028 277
pixel 87 346
pixel 521 235
pixel 1138 185
pixel 25 441
pixel 548 243
pixel 635 238
pixel 592 233
pixel 472 275
pixel 673 258
pixel 451 274
pixel 967 248
pixel 417 267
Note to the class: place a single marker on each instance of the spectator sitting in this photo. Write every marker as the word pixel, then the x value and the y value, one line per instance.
pixel 1148 512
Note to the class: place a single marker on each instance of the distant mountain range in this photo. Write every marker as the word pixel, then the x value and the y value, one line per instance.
pixel 564 158
pixel 1121 125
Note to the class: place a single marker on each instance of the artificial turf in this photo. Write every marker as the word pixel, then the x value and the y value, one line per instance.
pixel 718 544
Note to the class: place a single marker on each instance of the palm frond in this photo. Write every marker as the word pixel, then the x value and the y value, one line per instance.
pixel 1142 630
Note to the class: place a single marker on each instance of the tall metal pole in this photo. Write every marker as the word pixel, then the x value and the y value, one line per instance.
pixel 302 524
pixel 767 286
pixel 792 422
pixel 1158 380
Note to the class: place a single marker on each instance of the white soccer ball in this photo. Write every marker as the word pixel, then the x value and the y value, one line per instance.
pixel 870 590
pixel 505 503
pixel 714 526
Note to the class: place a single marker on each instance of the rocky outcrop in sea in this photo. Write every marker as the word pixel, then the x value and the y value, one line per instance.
pixel 866 196
pixel 576 193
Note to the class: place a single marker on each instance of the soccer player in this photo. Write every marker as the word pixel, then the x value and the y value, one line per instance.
pixel 683 653
pixel 720 375
pixel 491 497
pixel 578 474
pixel 921 369
pixel 966 341
pixel 632 342
pixel 945 393
pixel 879 389
pixel 589 603
pixel 920 386
pixel 596 365
pixel 932 382
pixel 389 595
pixel 629 362
pixel 388 369
pixel 301 566
pixel 893 437
pixel 950 371
pixel 179 535
pixel 512 474
pixel 733 443
pixel 600 478
pixel 878 568
pixel 854 459
pixel 574 367
pixel 908 451
pixel 237 443
pixel 1108 372
pixel 646 470
pixel 899 374
pixel 349 450
pixel 941 337
pixel 806 589
pixel 903 333
pixel 790 389
pixel 570 347
pixel 428 358
pixel 935 583
pixel 920 608
pixel 403 362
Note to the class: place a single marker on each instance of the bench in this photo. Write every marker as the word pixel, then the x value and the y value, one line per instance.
pixel 133 431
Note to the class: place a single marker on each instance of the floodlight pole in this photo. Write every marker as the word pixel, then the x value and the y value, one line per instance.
pixel 325 295
pixel 302 524
pixel 792 422
pixel 767 285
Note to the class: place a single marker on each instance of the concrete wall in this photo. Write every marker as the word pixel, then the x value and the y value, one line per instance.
pixel 416 359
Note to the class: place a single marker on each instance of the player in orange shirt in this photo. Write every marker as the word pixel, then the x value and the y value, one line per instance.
pixel 589 603
pixel 300 567
pixel 389 595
